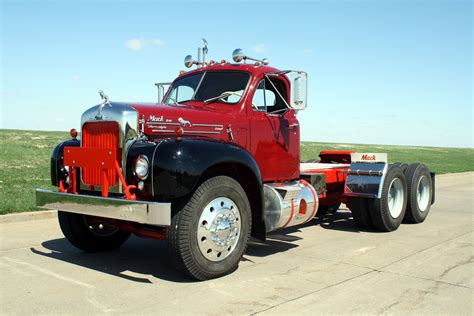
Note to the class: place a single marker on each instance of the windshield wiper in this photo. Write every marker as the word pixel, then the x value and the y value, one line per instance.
pixel 223 95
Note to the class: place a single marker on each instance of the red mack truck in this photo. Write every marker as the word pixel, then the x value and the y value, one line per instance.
pixel 215 161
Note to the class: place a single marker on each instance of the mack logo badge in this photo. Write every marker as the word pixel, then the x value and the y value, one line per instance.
pixel 156 118
pixel 369 157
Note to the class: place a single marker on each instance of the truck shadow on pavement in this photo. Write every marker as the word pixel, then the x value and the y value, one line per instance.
pixel 140 258
pixel 282 240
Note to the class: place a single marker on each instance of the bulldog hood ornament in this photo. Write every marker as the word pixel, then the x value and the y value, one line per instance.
pixel 105 101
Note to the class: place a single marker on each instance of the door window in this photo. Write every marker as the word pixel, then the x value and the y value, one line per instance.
pixel 266 97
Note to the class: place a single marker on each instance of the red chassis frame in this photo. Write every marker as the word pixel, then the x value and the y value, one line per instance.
pixel 100 158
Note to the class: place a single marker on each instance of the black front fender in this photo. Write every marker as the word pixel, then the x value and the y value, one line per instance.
pixel 178 166
pixel 57 161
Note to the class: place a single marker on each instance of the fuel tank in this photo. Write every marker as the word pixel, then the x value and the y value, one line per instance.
pixel 289 204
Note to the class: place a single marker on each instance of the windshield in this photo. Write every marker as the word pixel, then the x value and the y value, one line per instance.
pixel 207 86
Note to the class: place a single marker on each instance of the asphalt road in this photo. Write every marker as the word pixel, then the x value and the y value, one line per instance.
pixel 326 267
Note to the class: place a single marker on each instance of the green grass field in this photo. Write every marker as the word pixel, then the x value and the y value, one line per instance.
pixel 25 158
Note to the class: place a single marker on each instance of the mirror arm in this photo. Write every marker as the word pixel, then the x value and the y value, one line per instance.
pixel 278 73
pixel 250 58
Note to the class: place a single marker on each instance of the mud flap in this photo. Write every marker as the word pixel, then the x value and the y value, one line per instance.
pixel 366 175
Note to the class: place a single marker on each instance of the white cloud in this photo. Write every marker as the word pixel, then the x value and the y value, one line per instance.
pixel 259 48
pixel 141 43
pixel 76 77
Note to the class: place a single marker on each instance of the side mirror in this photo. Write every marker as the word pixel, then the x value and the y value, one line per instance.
pixel 189 61
pixel 299 90
pixel 238 55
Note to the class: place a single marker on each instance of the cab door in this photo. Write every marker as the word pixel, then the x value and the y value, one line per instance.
pixel 275 131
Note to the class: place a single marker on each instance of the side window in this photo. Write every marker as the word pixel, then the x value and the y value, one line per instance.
pixel 183 89
pixel 263 100
pixel 184 93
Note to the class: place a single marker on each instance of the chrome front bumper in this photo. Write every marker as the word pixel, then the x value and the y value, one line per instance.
pixel 151 213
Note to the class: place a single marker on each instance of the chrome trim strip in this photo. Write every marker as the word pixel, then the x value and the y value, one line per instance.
pixel 142 212
pixel 161 123
pixel 151 124
pixel 200 132
pixel 209 125
pixel 184 132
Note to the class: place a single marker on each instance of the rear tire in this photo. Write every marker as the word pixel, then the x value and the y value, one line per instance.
pixel 329 209
pixel 85 233
pixel 402 166
pixel 360 212
pixel 209 232
pixel 387 212
pixel 420 193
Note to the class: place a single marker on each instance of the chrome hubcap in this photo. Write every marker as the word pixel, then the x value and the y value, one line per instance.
pixel 395 198
pixel 218 229
pixel 423 193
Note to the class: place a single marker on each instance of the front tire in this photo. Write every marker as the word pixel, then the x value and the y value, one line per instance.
pixel 91 234
pixel 209 232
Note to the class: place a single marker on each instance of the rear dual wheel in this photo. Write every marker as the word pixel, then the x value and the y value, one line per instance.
pixel 360 212
pixel 407 194
pixel 420 193
pixel 402 166
pixel 329 209
pixel 385 213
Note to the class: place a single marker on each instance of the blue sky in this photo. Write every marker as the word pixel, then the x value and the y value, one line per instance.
pixel 385 72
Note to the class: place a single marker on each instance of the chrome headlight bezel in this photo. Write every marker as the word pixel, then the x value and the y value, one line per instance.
pixel 141 167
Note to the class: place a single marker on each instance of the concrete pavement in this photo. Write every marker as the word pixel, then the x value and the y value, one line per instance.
pixel 328 266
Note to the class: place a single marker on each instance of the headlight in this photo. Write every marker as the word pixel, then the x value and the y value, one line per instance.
pixel 142 167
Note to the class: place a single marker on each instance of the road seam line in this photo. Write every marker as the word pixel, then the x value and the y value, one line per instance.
pixel 312 292
pixel 51 273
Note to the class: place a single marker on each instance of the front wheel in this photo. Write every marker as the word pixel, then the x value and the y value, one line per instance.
pixel 91 234
pixel 209 232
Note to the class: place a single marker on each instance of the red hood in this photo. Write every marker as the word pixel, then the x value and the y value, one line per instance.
pixel 196 120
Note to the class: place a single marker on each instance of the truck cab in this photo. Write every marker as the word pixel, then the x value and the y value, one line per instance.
pixel 254 112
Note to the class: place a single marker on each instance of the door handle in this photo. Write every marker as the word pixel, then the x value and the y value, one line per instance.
pixel 293 125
